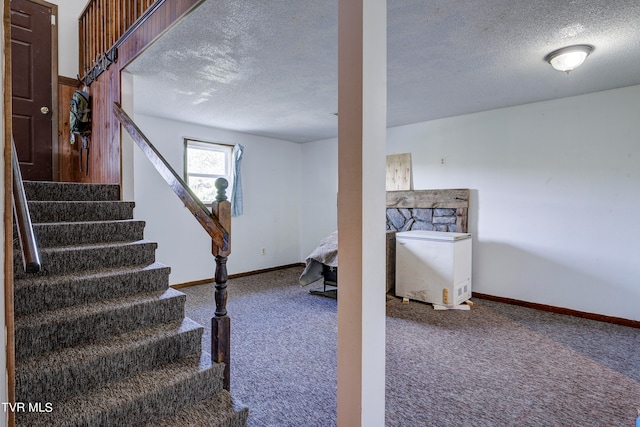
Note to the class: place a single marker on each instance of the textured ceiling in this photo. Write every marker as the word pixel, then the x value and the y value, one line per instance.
pixel 270 67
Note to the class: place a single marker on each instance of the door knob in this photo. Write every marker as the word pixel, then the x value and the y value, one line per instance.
pixel 44 110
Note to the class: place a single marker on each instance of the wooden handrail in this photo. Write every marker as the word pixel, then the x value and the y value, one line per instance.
pixel 209 221
pixel 28 245
pixel 217 223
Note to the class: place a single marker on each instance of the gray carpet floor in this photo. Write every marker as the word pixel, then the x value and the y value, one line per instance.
pixel 495 365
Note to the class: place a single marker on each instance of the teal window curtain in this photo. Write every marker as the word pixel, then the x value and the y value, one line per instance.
pixel 236 194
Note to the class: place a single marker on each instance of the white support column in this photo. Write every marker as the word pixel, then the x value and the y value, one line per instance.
pixel 362 94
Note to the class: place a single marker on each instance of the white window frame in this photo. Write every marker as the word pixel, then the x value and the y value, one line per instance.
pixel 213 146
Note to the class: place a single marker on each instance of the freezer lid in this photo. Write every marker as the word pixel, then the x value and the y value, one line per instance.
pixel 432 235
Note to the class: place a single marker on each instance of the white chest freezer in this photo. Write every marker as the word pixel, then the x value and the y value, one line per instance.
pixel 433 266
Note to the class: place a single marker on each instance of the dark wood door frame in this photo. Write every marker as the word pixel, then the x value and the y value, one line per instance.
pixel 54 85
pixel 8 210
pixel 54 88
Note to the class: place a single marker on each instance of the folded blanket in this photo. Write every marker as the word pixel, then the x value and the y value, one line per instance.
pixel 325 253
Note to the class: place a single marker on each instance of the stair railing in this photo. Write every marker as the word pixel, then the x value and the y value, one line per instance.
pixel 28 245
pixel 102 25
pixel 217 223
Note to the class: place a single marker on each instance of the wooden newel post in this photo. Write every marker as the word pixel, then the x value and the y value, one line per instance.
pixel 221 324
pixel 221 286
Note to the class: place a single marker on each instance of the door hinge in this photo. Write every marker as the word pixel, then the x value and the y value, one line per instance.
pixel 53 20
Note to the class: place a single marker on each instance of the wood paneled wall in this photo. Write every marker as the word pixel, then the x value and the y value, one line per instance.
pixel 104 162
pixel 101 25
pixel 68 155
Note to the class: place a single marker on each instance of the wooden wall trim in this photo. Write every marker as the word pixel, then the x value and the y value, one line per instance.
pixel 462 215
pixel 68 81
pixel 428 199
pixel 535 306
pixel 235 276
pixel 560 310
pixel 8 212
pixel 54 87
pixel 68 154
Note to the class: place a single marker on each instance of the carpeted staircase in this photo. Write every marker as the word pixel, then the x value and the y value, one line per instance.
pixel 100 338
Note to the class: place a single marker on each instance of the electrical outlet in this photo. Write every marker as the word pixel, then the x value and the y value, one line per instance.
pixel 443 161
pixel 263 251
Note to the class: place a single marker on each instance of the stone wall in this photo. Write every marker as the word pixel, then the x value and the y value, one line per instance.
pixel 436 219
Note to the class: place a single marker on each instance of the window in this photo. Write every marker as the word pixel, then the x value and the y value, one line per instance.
pixel 204 162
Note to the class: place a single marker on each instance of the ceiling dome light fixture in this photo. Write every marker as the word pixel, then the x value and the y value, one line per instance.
pixel 570 57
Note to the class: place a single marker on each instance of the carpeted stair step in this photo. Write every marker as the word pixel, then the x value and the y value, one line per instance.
pixel 60 191
pixel 61 374
pixel 219 410
pixel 80 233
pixel 53 330
pixel 89 258
pixel 137 400
pixel 79 211
pixel 33 294
pixel 100 339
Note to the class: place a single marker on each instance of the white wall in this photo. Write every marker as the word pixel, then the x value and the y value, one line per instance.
pixel 68 13
pixel 319 200
pixel 554 196
pixel 271 186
